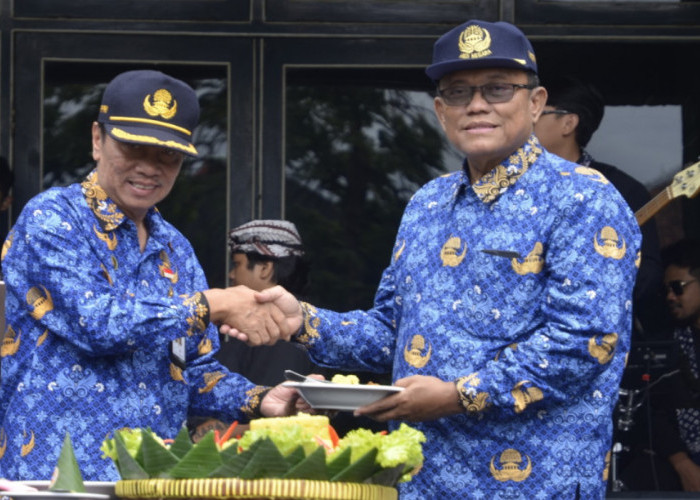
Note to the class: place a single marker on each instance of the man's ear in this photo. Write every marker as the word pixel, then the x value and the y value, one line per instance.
pixel 569 123
pixel 267 270
pixel 96 141
pixel 440 111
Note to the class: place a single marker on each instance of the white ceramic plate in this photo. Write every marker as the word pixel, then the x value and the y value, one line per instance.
pixel 47 495
pixel 96 490
pixel 346 397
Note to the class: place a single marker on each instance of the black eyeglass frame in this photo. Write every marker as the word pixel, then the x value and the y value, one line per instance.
pixel 484 95
pixel 556 112
pixel 677 286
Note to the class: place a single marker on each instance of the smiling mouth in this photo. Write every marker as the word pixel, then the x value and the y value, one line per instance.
pixel 479 126
pixel 145 187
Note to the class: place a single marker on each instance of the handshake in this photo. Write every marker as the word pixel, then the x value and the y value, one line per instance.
pixel 257 318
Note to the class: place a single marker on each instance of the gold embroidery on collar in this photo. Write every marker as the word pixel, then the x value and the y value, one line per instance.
pixel 106 211
pixel 491 185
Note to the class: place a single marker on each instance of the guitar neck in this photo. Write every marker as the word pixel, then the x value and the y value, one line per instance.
pixel 650 209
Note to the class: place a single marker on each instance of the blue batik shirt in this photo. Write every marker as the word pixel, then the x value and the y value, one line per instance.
pixel 90 324
pixel 519 289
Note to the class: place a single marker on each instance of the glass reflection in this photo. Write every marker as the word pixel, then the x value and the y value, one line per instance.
pixel 354 157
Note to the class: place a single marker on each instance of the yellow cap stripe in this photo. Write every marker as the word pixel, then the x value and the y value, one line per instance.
pixel 122 134
pixel 146 120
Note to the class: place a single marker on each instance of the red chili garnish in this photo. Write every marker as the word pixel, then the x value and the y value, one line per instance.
pixel 334 436
pixel 216 437
pixel 229 431
pixel 168 441
pixel 383 433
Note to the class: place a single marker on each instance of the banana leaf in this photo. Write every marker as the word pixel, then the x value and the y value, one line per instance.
pixel 387 477
pixel 182 443
pixel 339 462
pixel 267 462
pixel 233 462
pixel 203 459
pixel 67 476
pixel 297 456
pixel 312 467
pixel 157 459
pixel 128 466
pixel 360 469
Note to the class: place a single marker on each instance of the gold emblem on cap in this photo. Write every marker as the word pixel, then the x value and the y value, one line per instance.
pixel 161 106
pixel 474 42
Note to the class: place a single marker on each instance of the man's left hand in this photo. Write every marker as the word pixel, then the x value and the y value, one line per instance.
pixel 423 398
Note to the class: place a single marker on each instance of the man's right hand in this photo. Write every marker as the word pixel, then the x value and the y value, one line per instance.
pixel 284 302
pixel 263 323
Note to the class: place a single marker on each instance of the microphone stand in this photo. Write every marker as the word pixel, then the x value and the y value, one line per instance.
pixel 625 421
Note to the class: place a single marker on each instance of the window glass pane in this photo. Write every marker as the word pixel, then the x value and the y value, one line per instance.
pixel 355 154
pixel 647 143
pixel 657 135
pixel 197 203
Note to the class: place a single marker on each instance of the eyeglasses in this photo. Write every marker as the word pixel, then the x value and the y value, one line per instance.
pixel 677 286
pixel 555 112
pixel 461 95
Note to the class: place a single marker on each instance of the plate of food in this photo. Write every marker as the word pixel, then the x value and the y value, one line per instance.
pixel 325 395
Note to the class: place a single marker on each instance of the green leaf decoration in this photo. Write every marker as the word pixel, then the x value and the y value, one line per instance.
pixel 387 477
pixel 267 462
pixel 234 462
pixel 182 443
pixel 203 459
pixel 312 467
pixel 129 467
pixel 296 456
pixel 339 462
pixel 157 459
pixel 67 476
pixel 360 469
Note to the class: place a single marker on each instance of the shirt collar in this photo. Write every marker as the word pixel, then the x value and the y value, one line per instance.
pixel 586 158
pixel 498 180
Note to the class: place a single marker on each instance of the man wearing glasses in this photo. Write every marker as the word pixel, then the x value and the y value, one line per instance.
pixel 505 310
pixel 676 399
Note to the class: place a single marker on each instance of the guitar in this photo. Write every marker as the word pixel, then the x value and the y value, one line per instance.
pixel 685 183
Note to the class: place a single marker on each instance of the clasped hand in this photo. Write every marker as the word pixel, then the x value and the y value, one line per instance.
pixel 257 318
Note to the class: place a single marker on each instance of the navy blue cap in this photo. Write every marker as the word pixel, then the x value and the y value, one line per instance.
pixel 149 107
pixel 479 44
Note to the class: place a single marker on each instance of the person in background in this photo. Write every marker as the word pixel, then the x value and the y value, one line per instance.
pixel 505 310
pixel 110 322
pixel 264 253
pixel 7 179
pixel 573 113
pixel 672 462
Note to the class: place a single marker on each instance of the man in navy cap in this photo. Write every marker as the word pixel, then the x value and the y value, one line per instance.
pixel 505 310
pixel 110 322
